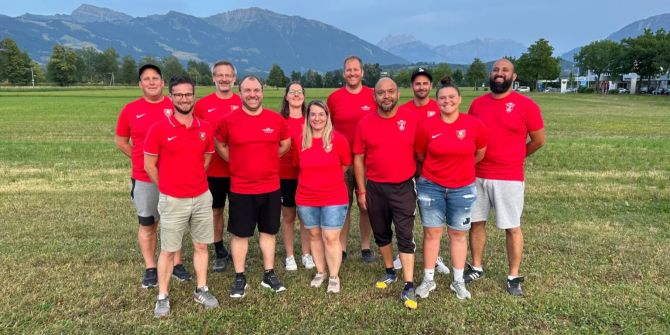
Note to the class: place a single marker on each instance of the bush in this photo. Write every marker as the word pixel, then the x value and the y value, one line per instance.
pixel 613 92
pixel 583 89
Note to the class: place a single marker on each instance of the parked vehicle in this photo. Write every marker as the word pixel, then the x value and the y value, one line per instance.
pixel 659 91
pixel 523 89
pixel 623 90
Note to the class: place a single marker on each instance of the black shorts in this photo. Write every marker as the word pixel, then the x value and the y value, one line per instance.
pixel 288 188
pixel 220 188
pixel 392 204
pixel 247 210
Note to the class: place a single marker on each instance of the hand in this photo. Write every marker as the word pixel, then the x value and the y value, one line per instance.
pixel 362 203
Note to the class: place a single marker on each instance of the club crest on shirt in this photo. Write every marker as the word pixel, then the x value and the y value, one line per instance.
pixel 509 107
pixel 167 111
pixel 365 108
pixel 431 113
pixel 268 130
pixel 460 134
pixel 402 124
pixel 202 136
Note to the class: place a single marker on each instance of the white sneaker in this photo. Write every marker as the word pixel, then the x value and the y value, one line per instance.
pixel 397 264
pixel 440 267
pixel 290 264
pixel 458 287
pixel 308 261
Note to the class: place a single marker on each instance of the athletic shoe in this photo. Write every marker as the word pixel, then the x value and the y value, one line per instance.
pixel 514 286
pixel 150 278
pixel 179 273
pixel 205 298
pixel 397 264
pixel 440 267
pixel 344 256
pixel 319 277
pixel 386 280
pixel 308 261
pixel 271 281
pixel 290 264
pixel 423 290
pixel 162 308
pixel 239 289
pixel 471 274
pixel 459 288
pixel 220 263
pixel 408 298
pixel 333 285
pixel 368 256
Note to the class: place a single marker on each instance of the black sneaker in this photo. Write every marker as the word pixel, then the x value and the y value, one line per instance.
pixel 514 286
pixel 344 256
pixel 239 289
pixel 368 256
pixel 220 263
pixel 150 278
pixel 271 281
pixel 471 274
pixel 179 273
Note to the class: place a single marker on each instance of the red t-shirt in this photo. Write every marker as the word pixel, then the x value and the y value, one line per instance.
pixel 450 149
pixel 181 155
pixel 347 109
pixel 212 109
pixel 428 110
pixel 253 144
pixel 321 181
pixel 287 170
pixel 134 121
pixel 388 145
pixel 508 120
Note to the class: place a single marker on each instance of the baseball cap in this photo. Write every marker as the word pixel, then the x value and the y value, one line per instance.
pixel 422 71
pixel 149 66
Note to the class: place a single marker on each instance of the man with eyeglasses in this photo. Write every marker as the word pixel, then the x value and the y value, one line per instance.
pixel 213 108
pixel 252 140
pixel 131 128
pixel 177 152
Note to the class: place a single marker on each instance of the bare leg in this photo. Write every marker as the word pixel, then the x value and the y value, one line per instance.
pixel 239 246
pixel 200 258
pixel 333 251
pixel 316 242
pixel 219 225
pixel 267 243
pixel 407 261
pixel 387 255
pixel 365 227
pixel 431 246
pixel 477 242
pixel 147 239
pixel 514 243
pixel 165 265
pixel 287 228
pixel 304 239
pixel 458 245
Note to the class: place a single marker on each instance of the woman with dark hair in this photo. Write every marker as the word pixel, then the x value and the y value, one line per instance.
pixel 322 155
pixel 293 110
pixel 448 146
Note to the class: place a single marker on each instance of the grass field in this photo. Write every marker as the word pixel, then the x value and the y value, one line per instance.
pixel 596 224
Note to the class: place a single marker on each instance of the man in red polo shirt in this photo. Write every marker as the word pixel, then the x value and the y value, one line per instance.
pixel 252 140
pixel 131 128
pixel 347 106
pixel 511 118
pixel 177 152
pixel 384 154
pixel 422 104
pixel 213 108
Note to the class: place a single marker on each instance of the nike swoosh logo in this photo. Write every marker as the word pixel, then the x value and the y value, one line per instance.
pixel 436 136
pixel 171 138
pixel 210 110
pixel 140 115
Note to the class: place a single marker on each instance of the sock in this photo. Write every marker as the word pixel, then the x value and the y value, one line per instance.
pixel 408 285
pixel 162 296
pixel 458 275
pixel 202 289
pixel 220 249
pixel 428 274
pixel 239 275
pixel 390 271
pixel 480 268
pixel 512 277
pixel 267 272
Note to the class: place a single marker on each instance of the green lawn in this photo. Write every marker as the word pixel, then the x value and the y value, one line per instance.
pixel 596 225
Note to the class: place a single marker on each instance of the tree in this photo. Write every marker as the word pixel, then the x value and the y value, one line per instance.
pixel 403 78
pixel 15 65
pixel 295 76
pixel 458 77
pixel 600 57
pixel 476 75
pixel 371 74
pixel 200 72
pixel 537 63
pixel 88 58
pixel 128 71
pixel 107 64
pixel 277 78
pixel 311 78
pixel 332 78
pixel 171 67
pixel 440 72
pixel 640 54
pixel 62 66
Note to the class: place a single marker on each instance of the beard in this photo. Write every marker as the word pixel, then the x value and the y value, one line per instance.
pixel 388 108
pixel 183 111
pixel 499 87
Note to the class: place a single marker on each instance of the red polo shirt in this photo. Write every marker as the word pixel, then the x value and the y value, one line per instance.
pixel 346 109
pixel 134 121
pixel 428 110
pixel 181 155
pixel 212 109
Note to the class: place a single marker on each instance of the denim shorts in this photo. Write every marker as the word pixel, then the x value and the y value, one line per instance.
pixel 324 217
pixel 439 205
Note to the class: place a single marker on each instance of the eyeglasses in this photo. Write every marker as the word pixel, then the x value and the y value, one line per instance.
pixel 182 95
pixel 296 92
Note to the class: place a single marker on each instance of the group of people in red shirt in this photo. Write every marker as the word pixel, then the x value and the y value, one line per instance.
pixel 310 159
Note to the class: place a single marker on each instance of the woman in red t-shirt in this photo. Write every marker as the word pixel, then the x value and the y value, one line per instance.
pixel 293 109
pixel 448 146
pixel 322 155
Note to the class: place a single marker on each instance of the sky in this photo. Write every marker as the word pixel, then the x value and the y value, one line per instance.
pixel 566 24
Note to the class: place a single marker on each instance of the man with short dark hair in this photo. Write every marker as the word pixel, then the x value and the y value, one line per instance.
pixel 131 128
pixel 213 108
pixel 421 103
pixel 251 140
pixel 177 151
pixel 511 118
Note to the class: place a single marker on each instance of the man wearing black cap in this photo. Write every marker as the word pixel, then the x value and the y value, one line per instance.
pixel 422 104
pixel 134 121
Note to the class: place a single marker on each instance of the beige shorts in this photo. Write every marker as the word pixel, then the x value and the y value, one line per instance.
pixel 180 214
pixel 503 196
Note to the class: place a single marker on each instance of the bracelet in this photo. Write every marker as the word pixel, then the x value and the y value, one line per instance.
pixel 360 193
